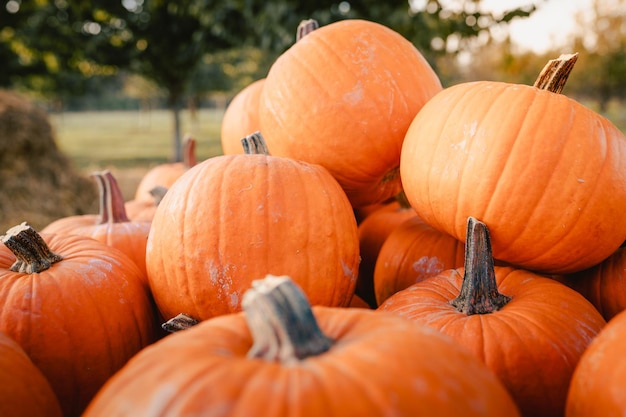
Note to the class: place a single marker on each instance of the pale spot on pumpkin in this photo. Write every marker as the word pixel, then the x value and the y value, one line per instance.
pixel 427 266
pixel 354 96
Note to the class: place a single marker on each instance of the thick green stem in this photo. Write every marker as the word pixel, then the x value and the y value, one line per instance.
pixel 281 322
pixel 479 291
pixel 556 72
pixel 31 252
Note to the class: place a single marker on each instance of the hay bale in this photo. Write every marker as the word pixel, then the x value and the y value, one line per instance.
pixel 37 182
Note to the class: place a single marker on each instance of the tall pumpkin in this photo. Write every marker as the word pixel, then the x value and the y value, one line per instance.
pixel 343 97
pixel 546 173
pixel 233 218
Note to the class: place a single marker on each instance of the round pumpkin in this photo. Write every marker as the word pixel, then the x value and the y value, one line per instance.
pixel 285 358
pixel 412 252
pixel 528 329
pixel 164 175
pixel 25 392
pixel 353 87
pixel 76 306
pixel 547 174
pixel 112 226
pixel 234 218
pixel 241 117
pixel 598 386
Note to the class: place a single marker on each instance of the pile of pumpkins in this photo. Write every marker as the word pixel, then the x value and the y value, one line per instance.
pixel 370 243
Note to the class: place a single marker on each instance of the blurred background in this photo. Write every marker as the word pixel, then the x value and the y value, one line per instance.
pixel 116 84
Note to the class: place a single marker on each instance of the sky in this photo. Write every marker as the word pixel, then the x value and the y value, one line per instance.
pixel 548 26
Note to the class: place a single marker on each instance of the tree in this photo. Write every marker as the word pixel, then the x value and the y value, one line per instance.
pixel 166 41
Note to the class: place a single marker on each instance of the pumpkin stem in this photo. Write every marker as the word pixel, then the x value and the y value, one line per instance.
pixel 554 75
pixel 305 27
pixel 479 291
pixel 178 323
pixel 158 192
pixel 32 253
pixel 281 322
pixel 254 144
pixel 112 209
pixel 189 151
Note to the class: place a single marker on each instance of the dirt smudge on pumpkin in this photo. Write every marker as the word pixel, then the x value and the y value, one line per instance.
pixel 427 266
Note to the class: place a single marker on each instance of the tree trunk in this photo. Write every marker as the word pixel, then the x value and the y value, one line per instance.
pixel 174 104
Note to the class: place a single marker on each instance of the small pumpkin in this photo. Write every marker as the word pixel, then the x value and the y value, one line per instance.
pixel 412 252
pixel 284 357
pixel 164 175
pixel 24 390
pixel 111 226
pixel 528 329
pixel 233 218
pixel 598 386
pixel 355 86
pixel 546 173
pixel 76 306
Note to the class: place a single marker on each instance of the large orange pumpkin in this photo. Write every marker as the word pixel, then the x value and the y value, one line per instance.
pixel 343 97
pixel 233 218
pixel 547 174
pixel 76 306
pixel 530 330
pixel 283 358
pixel 24 391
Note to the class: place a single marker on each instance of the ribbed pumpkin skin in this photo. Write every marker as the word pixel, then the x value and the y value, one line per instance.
pixel 533 343
pixel 378 366
pixel 598 387
pixel 412 252
pixel 25 392
pixel 604 284
pixel 80 320
pixel 236 218
pixel 241 117
pixel 353 87
pixel 545 173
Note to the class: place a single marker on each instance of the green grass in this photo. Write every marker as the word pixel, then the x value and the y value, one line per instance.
pixel 132 139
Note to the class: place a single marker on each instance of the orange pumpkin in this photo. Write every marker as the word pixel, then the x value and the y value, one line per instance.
pixel 353 86
pixel 604 285
pixel 412 252
pixel 233 218
pixel 598 386
pixel 25 392
pixel 241 117
pixel 164 175
pixel 544 172
pixel 112 225
pixel 285 358
pixel 373 231
pixel 530 330
pixel 76 306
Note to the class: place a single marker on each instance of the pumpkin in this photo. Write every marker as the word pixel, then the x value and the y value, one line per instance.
pixel 546 173
pixel 598 386
pixel 604 285
pixel 373 231
pixel 233 218
pixel 112 225
pixel 25 392
pixel 143 210
pixel 412 252
pixel 353 86
pixel 241 117
pixel 530 330
pixel 164 175
pixel 286 358
pixel 76 306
